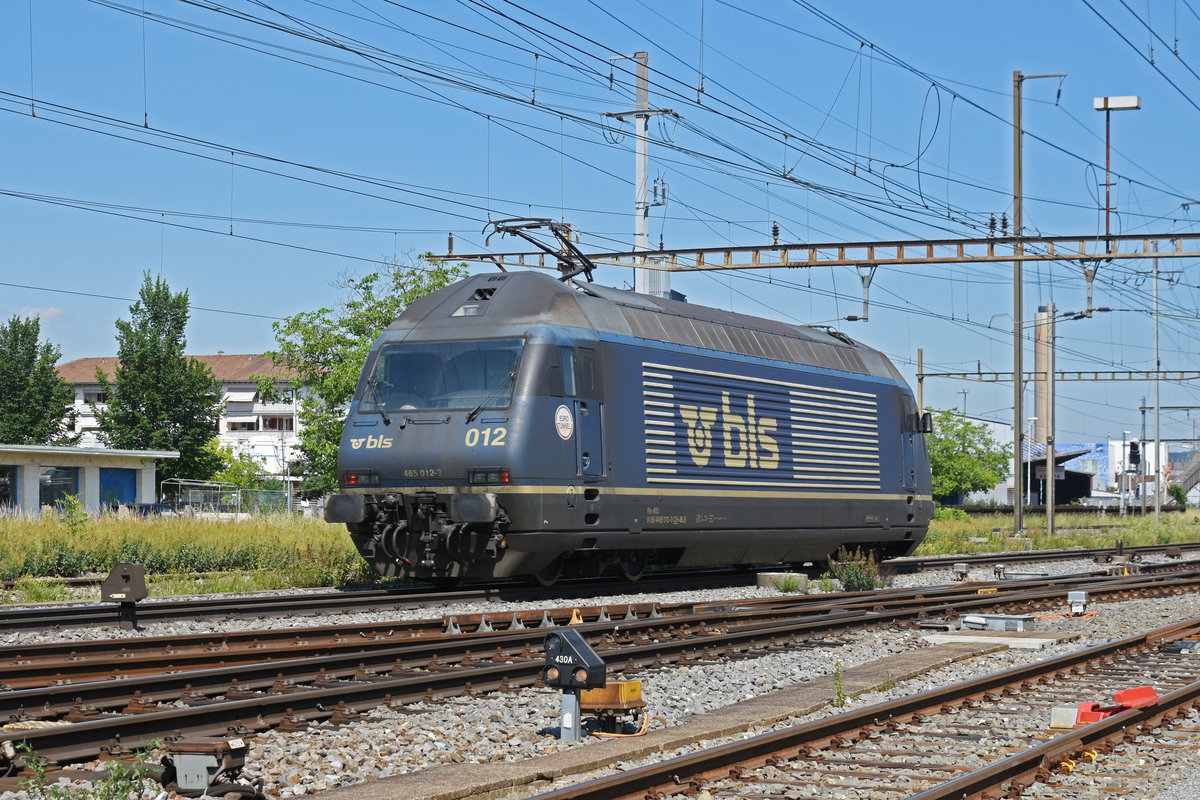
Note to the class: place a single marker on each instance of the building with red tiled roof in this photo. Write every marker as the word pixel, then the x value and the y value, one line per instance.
pixel 266 431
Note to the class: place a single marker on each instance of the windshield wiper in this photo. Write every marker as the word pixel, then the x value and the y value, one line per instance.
pixel 492 396
pixel 373 394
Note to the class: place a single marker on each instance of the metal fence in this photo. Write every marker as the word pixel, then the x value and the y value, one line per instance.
pixel 209 497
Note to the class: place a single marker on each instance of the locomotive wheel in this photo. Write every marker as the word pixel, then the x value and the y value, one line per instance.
pixel 549 574
pixel 632 569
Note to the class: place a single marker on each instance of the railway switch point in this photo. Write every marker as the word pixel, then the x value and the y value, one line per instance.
pixel 997 622
pixel 200 764
pixel 125 585
pixel 1025 575
pixel 573 666
pixel 610 702
pixel 1077 601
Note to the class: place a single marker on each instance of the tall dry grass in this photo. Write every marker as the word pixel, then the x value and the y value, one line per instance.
pixel 303 551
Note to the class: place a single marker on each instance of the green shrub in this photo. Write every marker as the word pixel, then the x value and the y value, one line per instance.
pixel 951 513
pixel 1178 494
pixel 73 514
pixel 856 571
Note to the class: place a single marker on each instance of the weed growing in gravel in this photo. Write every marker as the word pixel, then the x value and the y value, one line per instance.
pixel 839 694
pixel 856 571
pixel 889 681
pixel 791 582
pixel 217 582
pixel 122 781
pixel 38 590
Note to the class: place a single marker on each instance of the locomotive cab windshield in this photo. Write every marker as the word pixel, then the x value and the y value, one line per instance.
pixel 421 376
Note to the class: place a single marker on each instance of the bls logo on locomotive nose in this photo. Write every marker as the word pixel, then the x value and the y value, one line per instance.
pixel 372 442
pixel 746 438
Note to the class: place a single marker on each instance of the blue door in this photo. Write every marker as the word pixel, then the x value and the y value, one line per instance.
pixel 117 486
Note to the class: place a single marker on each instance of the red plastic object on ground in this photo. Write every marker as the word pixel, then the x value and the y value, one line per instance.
pixel 1137 697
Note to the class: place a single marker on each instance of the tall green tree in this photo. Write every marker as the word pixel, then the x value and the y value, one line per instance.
pixel 325 351
pixel 241 469
pixel 964 457
pixel 36 405
pixel 158 398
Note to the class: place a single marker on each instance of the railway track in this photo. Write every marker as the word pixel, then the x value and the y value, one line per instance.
pixel 418 596
pixel 215 692
pixel 986 738
pixel 414 596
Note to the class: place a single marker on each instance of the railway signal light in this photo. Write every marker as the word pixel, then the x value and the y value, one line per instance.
pixel 1135 454
pixel 571 663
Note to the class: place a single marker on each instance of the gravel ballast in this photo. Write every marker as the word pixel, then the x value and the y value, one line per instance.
pixel 507 727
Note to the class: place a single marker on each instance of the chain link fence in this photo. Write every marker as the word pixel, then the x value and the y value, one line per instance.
pixel 210 497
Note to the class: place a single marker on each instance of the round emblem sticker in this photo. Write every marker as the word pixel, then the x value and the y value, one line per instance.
pixel 564 423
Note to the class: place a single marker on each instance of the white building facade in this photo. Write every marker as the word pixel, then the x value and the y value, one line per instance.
pixel 266 431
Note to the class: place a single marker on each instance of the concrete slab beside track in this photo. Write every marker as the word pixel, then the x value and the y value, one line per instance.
pixel 486 781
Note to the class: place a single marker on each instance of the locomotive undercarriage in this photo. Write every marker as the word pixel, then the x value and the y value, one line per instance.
pixel 419 537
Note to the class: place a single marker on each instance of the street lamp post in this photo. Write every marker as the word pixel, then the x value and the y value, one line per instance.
pixel 1129 102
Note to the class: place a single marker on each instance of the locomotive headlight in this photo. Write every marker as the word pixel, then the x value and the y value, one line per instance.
pixel 488 475
pixel 360 478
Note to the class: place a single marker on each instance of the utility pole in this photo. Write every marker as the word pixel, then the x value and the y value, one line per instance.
pixel 1158 471
pixel 1018 252
pixel 1018 249
pixel 1145 458
pixel 645 281
pixel 1051 462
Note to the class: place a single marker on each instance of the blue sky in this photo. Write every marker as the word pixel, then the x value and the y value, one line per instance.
pixel 253 152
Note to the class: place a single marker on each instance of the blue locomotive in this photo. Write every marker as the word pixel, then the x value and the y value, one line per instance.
pixel 514 425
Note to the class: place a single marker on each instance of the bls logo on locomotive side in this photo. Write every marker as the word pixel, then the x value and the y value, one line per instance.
pixel 746 438
pixel 372 442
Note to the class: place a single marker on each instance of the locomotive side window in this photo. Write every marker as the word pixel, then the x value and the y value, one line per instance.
pixel 568 371
pixel 435 375
pixel 587 371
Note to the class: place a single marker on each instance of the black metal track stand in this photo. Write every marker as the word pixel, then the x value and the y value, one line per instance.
pixel 571 260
